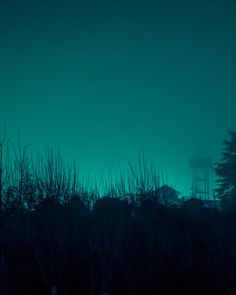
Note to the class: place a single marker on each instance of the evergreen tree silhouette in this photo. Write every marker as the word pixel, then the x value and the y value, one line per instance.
pixel 226 172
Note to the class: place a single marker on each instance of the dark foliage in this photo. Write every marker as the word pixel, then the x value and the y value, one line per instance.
pixel 59 237
pixel 226 172
pixel 117 248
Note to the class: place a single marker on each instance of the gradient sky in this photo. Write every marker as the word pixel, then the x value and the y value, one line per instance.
pixel 103 79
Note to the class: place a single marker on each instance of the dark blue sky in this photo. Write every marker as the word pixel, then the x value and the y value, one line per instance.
pixel 104 78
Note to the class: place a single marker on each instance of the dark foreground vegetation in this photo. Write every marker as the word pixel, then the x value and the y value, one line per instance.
pixel 118 249
pixel 56 237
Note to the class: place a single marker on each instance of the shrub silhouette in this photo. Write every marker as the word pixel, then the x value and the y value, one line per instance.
pixel 57 237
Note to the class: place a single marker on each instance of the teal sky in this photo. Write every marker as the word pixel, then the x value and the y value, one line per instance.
pixel 102 79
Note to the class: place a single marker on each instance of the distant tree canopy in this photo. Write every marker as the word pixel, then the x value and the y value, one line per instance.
pixel 226 171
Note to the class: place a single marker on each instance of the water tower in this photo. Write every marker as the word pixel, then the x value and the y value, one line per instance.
pixel 201 177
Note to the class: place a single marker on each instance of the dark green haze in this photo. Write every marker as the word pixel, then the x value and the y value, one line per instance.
pixel 104 78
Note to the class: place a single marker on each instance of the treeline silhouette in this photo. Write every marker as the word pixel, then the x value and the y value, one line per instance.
pixel 59 234
pixel 117 248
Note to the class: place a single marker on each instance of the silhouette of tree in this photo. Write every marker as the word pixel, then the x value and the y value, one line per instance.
pixel 2 141
pixel 60 235
pixel 226 172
